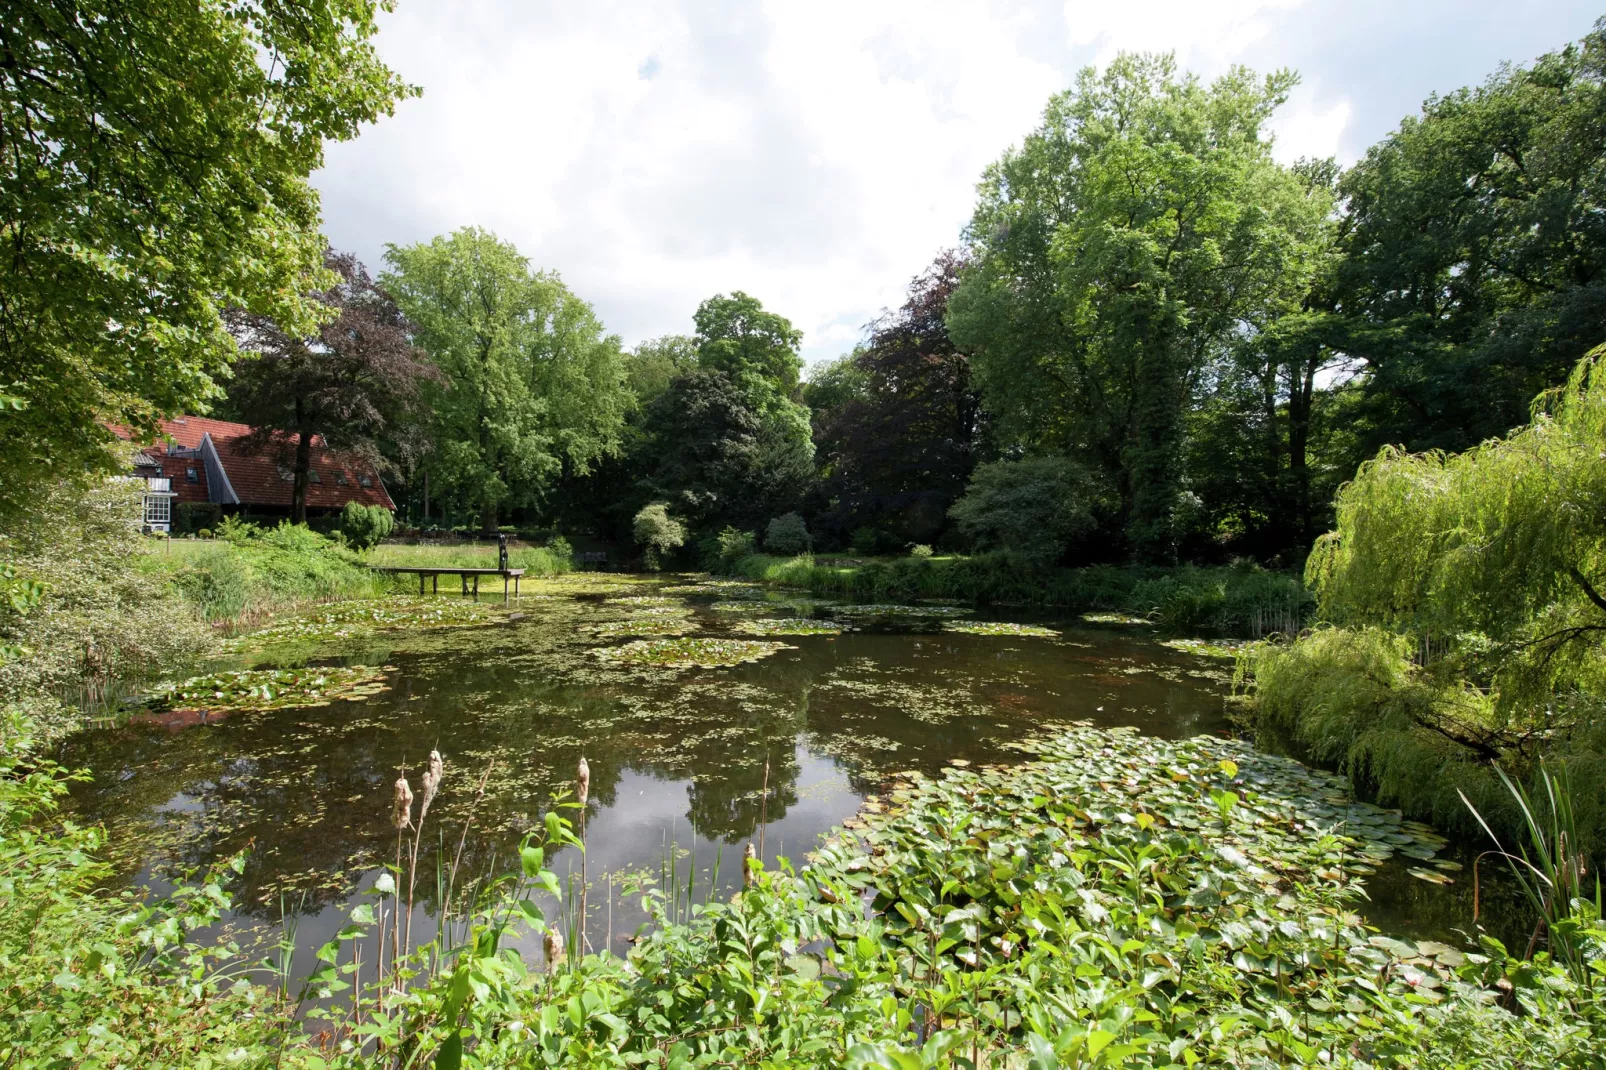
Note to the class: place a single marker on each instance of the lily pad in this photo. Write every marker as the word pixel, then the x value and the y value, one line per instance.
pixel 689 653
pixel 788 626
pixel 263 689
pixel 998 627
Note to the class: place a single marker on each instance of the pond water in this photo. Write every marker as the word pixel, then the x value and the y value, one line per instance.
pixel 686 766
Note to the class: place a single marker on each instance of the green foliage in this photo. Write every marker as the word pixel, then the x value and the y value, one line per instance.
pixel 1242 601
pixel 756 349
pixel 657 533
pixel 1473 251
pixel 1468 588
pixel 1139 233
pixel 920 552
pixel 732 545
pixel 1033 507
pixel 787 535
pixel 249 572
pixel 531 384
pixel 80 617
pixel 365 525
pixel 156 173
pixel 196 518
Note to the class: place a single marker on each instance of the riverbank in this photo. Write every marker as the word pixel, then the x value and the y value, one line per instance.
pixel 1241 601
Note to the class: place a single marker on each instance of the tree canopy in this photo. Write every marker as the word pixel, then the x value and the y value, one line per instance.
pixel 356 382
pixel 531 386
pixel 1135 236
pixel 153 172
pixel 1474 246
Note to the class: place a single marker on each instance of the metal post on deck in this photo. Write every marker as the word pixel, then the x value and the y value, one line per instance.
pixel 504 588
pixel 420 585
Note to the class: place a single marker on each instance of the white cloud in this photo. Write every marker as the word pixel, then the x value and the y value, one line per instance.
pixel 816 155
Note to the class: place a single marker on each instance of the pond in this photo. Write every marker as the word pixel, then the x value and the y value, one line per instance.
pixel 687 764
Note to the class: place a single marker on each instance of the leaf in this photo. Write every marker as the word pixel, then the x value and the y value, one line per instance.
pixel 450 1057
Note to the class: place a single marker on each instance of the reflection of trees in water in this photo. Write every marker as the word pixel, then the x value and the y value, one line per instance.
pixel 310 788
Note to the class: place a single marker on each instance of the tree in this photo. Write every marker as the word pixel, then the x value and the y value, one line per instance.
pixel 657 533
pixel 532 387
pixel 365 525
pixel 1474 267
pixel 355 382
pixel 1140 232
pixel 153 172
pixel 786 535
pixel 757 350
pixel 721 461
pixel 1034 507
pixel 899 424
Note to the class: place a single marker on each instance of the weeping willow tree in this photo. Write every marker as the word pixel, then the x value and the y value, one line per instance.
pixel 1466 601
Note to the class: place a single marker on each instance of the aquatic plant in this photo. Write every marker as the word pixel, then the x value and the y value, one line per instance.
pixel 689 653
pixel 263 689
pixel 787 626
pixel 651 625
pixel 887 609
pixel 362 618
pixel 998 627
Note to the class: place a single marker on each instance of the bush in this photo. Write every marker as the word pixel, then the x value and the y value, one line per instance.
pixel 786 535
pixel 252 571
pixel 1033 507
pixel 365 525
pixel 729 547
pixel 101 621
pixel 866 541
pixel 657 533
pixel 920 551
pixel 195 517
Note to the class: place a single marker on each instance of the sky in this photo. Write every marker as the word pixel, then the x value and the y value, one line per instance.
pixel 819 154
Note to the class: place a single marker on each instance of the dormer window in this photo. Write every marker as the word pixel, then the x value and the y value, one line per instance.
pixel 313 476
pixel 286 474
pixel 365 481
pixel 340 476
pixel 191 474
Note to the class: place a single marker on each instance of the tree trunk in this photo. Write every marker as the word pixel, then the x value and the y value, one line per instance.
pixel 298 487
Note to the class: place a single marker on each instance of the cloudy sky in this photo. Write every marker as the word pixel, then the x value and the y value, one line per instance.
pixel 818 153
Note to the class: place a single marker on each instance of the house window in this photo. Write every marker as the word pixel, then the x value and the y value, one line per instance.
pixel 365 481
pixel 313 476
pixel 158 509
pixel 191 475
pixel 286 474
pixel 340 476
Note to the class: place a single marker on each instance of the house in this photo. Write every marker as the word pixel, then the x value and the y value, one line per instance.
pixel 205 461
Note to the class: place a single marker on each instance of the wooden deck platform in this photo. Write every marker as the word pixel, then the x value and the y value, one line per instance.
pixel 434 574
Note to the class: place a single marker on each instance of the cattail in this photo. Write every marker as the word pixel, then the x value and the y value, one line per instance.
pixel 554 948
pixel 402 814
pixel 432 783
pixel 749 862
pixel 582 780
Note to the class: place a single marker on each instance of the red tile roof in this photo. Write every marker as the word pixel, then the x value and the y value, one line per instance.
pixel 255 477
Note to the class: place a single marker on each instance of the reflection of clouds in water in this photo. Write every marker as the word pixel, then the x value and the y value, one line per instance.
pixel 674 757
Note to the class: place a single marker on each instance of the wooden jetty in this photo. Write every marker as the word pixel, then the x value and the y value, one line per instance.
pixel 434 575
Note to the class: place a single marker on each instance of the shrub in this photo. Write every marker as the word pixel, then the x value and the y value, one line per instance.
pixel 204 533
pixel 786 535
pixel 365 525
pixel 101 620
pixel 920 551
pixel 1033 507
pixel 866 540
pixel 657 533
pixel 195 517
pixel 733 545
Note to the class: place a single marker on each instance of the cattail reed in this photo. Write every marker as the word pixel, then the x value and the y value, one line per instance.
pixel 749 864
pixel 402 813
pixel 582 785
pixel 554 948
pixel 432 783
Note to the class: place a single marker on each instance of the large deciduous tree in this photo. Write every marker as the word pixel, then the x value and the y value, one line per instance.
pixel 1474 268
pixel 356 382
pixel 899 424
pixel 532 386
pixel 1139 232
pixel 153 171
